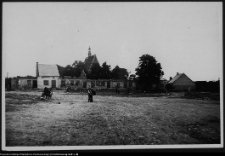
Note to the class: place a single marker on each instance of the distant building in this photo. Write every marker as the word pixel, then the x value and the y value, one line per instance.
pixel 74 82
pixel 182 82
pixel 47 76
pixel 90 60
pixel 27 82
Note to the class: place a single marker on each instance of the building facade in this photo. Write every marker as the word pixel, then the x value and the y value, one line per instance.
pixel 47 76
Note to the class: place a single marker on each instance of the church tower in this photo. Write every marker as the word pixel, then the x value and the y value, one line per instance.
pixel 89 51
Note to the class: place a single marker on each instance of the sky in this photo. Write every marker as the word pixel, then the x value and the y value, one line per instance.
pixel 184 37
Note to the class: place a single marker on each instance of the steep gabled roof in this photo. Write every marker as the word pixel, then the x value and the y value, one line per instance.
pixel 175 78
pixel 90 60
pixel 48 70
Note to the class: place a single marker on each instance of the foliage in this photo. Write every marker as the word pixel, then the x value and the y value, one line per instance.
pixel 73 71
pixel 78 67
pixel 119 73
pixel 106 71
pixel 148 71
pixel 69 71
pixel 96 71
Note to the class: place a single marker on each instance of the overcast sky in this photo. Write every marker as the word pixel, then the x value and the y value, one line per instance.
pixel 184 37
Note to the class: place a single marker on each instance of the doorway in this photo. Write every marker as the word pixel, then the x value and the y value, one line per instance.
pixel 53 83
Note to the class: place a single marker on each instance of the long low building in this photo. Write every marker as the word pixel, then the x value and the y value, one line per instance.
pixel 49 76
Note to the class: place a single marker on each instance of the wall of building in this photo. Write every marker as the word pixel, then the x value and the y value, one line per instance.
pixel 24 85
pixel 14 84
pixel 80 83
pixel 72 83
pixel 40 82
pixel 96 84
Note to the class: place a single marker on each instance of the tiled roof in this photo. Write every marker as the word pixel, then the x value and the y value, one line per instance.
pixel 175 78
pixel 90 60
pixel 48 70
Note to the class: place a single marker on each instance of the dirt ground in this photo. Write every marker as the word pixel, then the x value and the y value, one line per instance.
pixel 68 119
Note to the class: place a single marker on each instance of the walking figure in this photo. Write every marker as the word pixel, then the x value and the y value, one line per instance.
pixel 90 95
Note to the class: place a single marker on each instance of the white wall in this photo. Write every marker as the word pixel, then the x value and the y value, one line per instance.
pixel 40 81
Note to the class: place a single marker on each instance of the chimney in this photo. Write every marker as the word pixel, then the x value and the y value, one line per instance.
pixel 36 69
pixel 177 73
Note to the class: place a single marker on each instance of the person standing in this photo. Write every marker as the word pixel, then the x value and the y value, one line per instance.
pixel 90 95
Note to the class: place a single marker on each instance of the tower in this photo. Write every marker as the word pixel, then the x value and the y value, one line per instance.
pixel 89 51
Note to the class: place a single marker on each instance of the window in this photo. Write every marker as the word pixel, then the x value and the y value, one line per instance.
pixel 71 82
pixel 45 82
pixel 103 83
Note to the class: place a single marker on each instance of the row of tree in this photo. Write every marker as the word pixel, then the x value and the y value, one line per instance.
pixel 148 72
pixel 97 72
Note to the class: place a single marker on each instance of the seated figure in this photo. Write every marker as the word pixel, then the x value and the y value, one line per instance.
pixel 47 93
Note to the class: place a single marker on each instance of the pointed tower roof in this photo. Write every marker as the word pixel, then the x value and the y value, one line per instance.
pixel 89 51
pixel 90 60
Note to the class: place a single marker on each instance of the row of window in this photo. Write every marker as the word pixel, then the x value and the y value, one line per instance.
pixel 98 83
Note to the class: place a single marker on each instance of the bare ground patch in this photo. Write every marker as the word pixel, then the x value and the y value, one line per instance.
pixel 68 119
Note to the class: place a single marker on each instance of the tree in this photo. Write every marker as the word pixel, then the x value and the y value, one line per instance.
pixel 119 73
pixel 96 72
pixel 78 66
pixel 106 72
pixel 148 71
pixel 68 71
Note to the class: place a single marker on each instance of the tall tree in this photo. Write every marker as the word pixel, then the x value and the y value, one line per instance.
pixel 119 73
pixel 148 71
pixel 96 72
pixel 106 72
pixel 78 66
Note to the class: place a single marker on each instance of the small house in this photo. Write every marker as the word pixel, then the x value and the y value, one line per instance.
pixel 181 82
pixel 47 76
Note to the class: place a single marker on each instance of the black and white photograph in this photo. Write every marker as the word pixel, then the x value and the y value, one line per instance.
pixel 112 75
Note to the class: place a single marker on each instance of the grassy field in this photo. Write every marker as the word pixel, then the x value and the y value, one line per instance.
pixel 69 120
